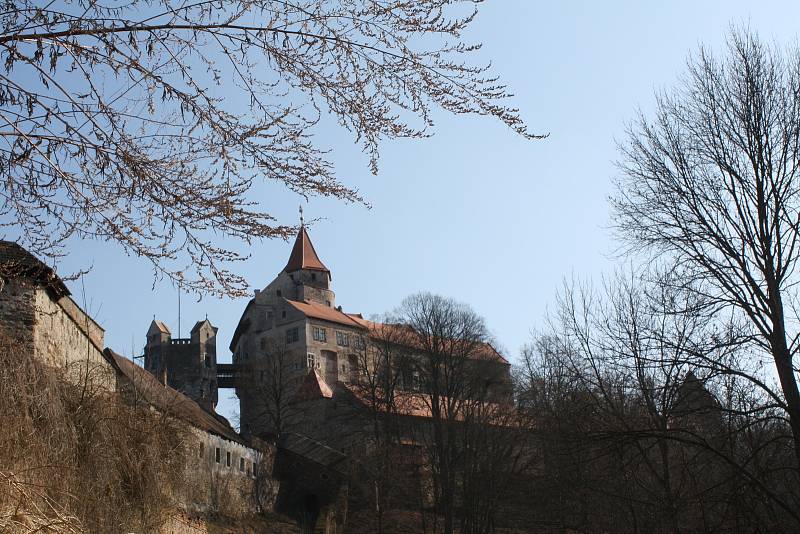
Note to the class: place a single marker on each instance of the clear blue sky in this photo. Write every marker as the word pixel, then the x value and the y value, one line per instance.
pixel 474 212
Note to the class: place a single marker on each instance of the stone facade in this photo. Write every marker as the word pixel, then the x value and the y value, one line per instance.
pixel 36 310
pixel 222 467
pixel 295 318
pixel 222 475
pixel 186 364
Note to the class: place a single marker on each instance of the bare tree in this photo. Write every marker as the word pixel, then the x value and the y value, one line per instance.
pixel 712 183
pixel 671 423
pixel 151 123
pixel 274 381
pixel 381 357
pixel 446 336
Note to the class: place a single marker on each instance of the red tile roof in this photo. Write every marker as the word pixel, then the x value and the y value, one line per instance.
pixel 414 404
pixel 16 262
pixel 161 326
pixel 313 387
pixel 396 333
pixel 405 335
pixel 303 255
pixel 324 313
pixel 170 401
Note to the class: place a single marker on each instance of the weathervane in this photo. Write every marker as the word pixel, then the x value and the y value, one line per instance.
pixel 302 223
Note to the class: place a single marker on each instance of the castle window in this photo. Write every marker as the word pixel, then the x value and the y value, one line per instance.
pixel 241 464
pixel 342 339
pixel 310 360
pixel 201 450
pixel 217 454
pixel 358 342
pixel 278 292
pixel 319 334
pixel 283 314
pixel 415 381
pixel 208 360
pixel 292 335
pixel 328 303
pixel 227 459
pixel 314 277
pixel 263 343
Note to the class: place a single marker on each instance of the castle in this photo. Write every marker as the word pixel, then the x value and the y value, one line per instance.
pixel 301 368
pixel 291 336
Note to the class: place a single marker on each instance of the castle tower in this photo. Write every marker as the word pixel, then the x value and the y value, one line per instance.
pixel 312 280
pixel 293 328
pixel 186 364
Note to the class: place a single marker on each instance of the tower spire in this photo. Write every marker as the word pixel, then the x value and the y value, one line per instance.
pixel 303 255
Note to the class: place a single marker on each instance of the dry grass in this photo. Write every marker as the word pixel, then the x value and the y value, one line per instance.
pixel 75 459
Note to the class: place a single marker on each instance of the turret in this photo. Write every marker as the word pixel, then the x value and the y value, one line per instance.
pixel 158 337
pixel 312 280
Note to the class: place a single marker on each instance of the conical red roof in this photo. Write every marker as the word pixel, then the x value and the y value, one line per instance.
pixel 303 255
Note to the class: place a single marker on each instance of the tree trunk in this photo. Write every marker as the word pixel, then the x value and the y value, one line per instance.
pixel 783 364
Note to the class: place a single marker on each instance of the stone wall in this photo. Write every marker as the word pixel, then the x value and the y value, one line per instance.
pixel 341 368
pixel 57 332
pixel 227 478
pixel 18 313
pixel 66 336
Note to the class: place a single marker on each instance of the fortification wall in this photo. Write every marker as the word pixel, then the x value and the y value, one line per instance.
pixel 228 478
pixel 58 332
pixel 63 335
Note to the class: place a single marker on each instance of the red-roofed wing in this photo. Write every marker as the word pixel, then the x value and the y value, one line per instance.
pixel 324 313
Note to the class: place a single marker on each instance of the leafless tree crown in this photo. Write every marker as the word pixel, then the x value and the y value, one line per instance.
pixel 713 183
pixel 149 123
